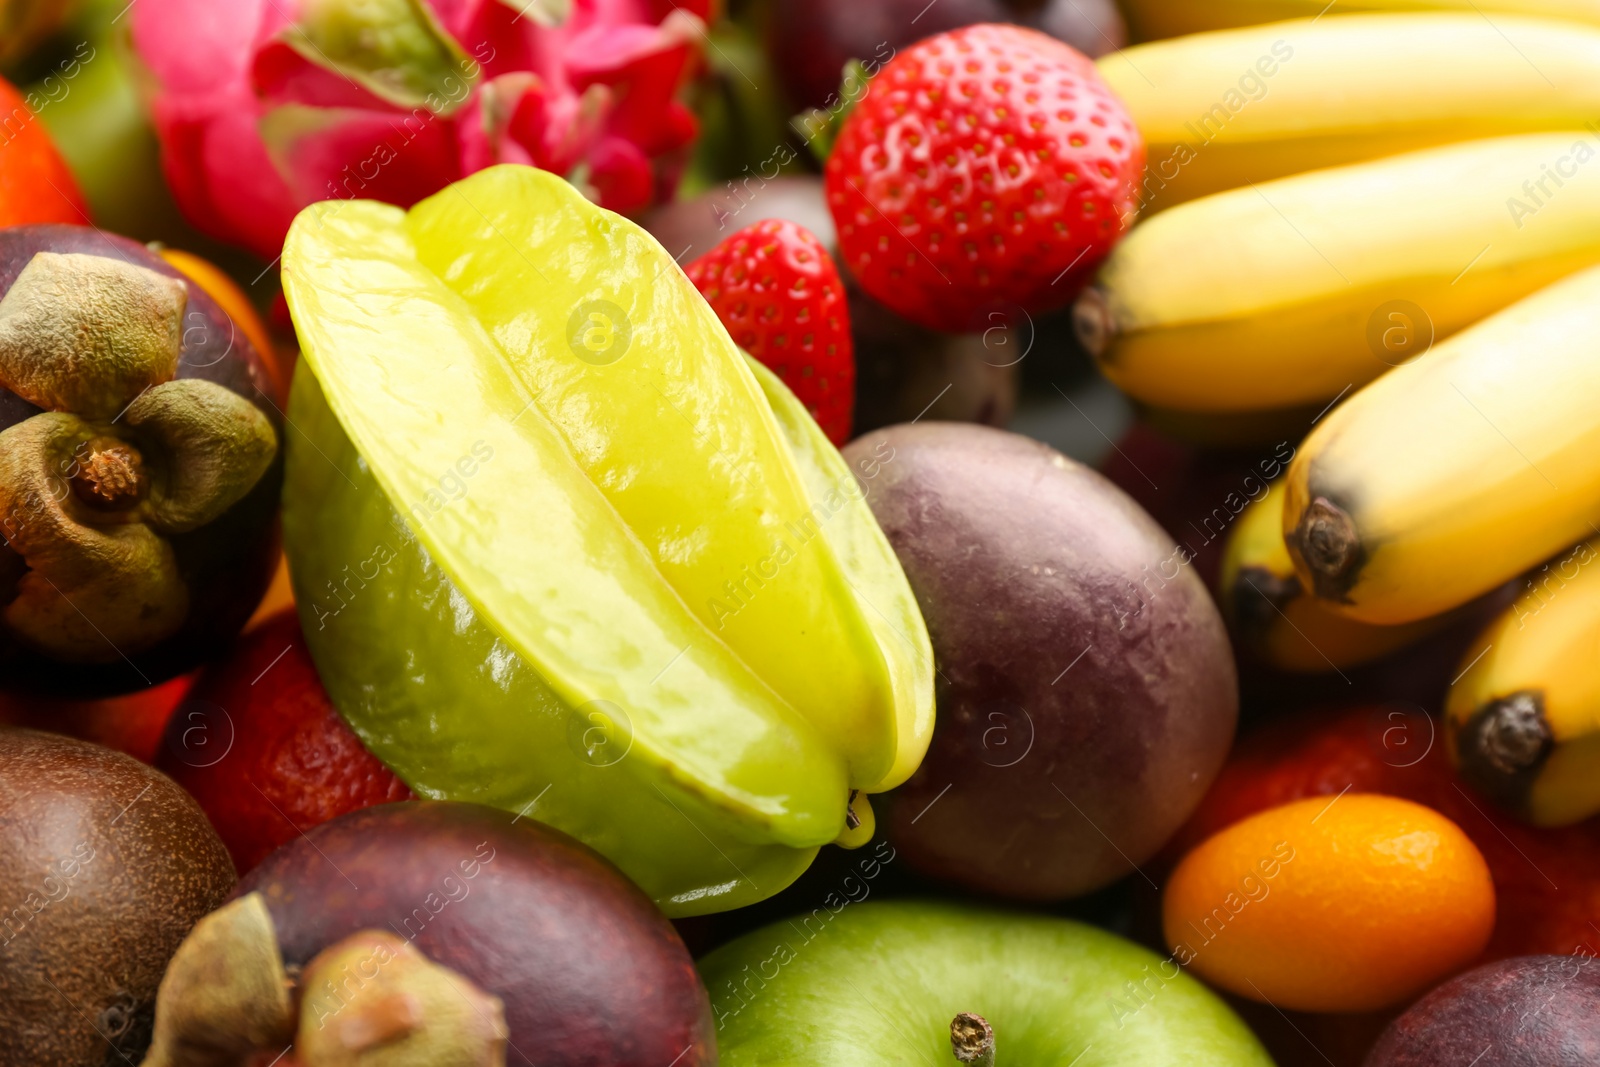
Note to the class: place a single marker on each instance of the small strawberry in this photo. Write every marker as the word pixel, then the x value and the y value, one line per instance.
pixel 985 169
pixel 777 291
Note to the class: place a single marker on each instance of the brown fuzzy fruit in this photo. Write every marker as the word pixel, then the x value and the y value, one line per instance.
pixel 105 864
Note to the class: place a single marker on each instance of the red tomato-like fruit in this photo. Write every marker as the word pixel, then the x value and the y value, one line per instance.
pixel 260 746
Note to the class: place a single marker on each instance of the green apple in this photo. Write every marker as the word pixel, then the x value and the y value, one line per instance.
pixel 873 984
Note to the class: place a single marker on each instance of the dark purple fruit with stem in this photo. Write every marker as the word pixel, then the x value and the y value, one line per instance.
pixel 812 40
pixel 139 466
pixel 1087 694
pixel 105 864
pixel 590 974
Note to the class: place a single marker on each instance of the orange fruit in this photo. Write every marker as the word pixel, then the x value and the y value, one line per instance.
pixel 1346 905
pixel 35 184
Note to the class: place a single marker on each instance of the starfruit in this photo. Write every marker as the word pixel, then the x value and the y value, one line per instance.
pixel 560 547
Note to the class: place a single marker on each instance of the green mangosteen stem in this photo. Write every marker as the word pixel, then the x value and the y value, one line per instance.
pixel 972 1039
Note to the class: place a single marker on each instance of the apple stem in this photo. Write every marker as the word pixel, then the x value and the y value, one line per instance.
pixel 972 1040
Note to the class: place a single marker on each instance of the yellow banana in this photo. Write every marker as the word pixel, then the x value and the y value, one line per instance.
pixel 1221 110
pixel 1523 719
pixel 1295 291
pixel 1275 619
pixel 1151 20
pixel 1459 470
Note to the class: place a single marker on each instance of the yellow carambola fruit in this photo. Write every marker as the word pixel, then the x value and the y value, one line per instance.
pixel 1305 288
pixel 1150 20
pixel 1273 616
pixel 1523 718
pixel 559 549
pixel 1459 470
pixel 1224 110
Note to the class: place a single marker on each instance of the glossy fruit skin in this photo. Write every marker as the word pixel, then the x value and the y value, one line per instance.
pixel 812 40
pixel 228 564
pixel 1519 720
pixel 1290 104
pixel 859 984
pixel 1345 905
pixel 775 288
pixel 106 864
pixel 1080 712
pixel 590 972
pixel 1282 330
pixel 1547 881
pixel 1531 1011
pixel 263 751
pixel 984 169
pixel 1399 508
pixel 35 184
pixel 902 370
pixel 555 574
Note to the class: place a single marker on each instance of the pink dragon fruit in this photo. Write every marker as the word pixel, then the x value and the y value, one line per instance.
pixel 265 106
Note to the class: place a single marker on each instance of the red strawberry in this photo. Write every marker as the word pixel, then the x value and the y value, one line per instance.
pixel 777 291
pixel 985 169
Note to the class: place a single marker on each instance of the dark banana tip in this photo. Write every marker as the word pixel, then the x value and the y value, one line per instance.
pixel 1258 600
pixel 1327 541
pixel 1093 322
pixel 1504 745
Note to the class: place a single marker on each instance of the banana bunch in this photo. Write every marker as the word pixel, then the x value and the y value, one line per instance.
pixel 1224 110
pixel 1299 290
pixel 1458 471
pixel 1151 20
pixel 1274 618
pixel 1522 721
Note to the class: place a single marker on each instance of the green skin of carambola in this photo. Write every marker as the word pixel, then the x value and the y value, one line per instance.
pixel 710 798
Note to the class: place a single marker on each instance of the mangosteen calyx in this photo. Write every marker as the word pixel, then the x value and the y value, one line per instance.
pixel 123 457
pixel 225 994
pixel 371 999
pixel 375 999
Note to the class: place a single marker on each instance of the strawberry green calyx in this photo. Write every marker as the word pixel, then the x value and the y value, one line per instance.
pixel 124 456
pixel 819 126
